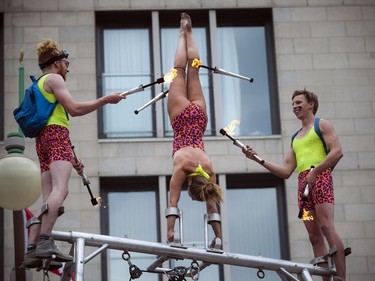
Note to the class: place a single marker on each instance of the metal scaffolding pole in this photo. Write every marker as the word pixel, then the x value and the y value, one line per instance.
pixel 80 240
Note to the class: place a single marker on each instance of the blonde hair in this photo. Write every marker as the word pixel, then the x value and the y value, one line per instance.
pixel 205 190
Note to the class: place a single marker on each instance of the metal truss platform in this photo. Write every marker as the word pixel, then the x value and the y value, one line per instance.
pixel 201 258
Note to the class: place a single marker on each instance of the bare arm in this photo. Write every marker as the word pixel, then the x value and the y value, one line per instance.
pixel 55 84
pixel 283 171
pixel 78 166
pixel 175 186
pixel 211 207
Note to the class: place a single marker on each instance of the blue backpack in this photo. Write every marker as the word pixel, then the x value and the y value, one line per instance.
pixel 34 111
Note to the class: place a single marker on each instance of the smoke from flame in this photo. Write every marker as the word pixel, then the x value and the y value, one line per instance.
pixel 170 75
pixel 231 127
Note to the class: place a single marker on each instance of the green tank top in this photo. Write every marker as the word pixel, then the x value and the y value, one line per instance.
pixel 309 150
pixel 59 115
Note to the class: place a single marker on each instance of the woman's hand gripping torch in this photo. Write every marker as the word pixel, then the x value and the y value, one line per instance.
pixel 94 201
pixel 167 78
pixel 239 144
pixel 197 64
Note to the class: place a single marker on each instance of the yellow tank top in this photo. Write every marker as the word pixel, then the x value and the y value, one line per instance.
pixel 59 115
pixel 309 150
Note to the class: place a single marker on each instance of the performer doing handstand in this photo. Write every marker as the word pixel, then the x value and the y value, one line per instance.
pixel 187 112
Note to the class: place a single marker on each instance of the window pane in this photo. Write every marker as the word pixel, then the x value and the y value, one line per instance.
pixel 128 218
pixel 253 228
pixel 242 50
pixel 169 39
pixel 127 65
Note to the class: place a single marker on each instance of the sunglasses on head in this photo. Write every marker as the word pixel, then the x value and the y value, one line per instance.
pixel 64 55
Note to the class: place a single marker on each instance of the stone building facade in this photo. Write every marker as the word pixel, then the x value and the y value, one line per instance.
pixel 326 46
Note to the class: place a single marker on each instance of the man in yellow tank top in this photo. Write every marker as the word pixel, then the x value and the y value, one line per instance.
pixel 54 151
pixel 307 150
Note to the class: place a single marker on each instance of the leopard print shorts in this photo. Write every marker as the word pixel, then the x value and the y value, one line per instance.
pixel 52 144
pixel 189 127
pixel 322 192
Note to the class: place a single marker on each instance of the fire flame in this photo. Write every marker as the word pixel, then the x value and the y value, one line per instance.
pixel 306 217
pixel 170 75
pixel 196 63
pixel 231 127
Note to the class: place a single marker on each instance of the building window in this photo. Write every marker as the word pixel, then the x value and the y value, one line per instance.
pixel 2 77
pixel 131 211
pixel 169 37
pixel 194 235
pixel 1 138
pixel 136 48
pixel 255 218
pixel 122 70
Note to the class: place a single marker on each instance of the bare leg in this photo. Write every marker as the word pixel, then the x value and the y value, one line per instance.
pixel 316 239
pixel 55 190
pixel 34 229
pixel 194 88
pixel 34 232
pixel 177 99
pixel 60 171
pixel 325 216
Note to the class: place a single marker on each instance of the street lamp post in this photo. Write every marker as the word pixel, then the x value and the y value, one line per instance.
pixel 20 184
pixel 18 219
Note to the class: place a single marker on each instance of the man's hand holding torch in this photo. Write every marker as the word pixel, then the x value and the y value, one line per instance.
pixel 251 154
pixel 78 166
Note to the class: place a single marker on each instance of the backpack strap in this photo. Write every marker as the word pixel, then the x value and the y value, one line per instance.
pixel 34 80
pixel 294 136
pixel 32 77
pixel 317 131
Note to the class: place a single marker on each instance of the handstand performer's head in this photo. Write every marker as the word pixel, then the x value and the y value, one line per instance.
pixel 201 189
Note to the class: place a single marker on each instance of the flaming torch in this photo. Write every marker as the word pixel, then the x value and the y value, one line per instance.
pixel 197 64
pixel 229 131
pixel 154 100
pixel 166 79
pixel 94 201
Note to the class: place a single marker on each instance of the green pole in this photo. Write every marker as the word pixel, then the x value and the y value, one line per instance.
pixel 18 220
pixel 21 82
